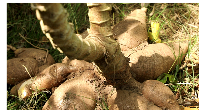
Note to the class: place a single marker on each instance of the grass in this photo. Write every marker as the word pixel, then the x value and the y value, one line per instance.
pixel 178 23
pixel 35 102
pixel 78 16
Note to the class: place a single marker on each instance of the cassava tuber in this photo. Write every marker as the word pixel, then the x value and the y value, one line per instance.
pixel 128 100
pixel 77 93
pixel 155 59
pixel 19 69
pixel 160 95
pixel 41 56
pixel 48 78
pixel 28 63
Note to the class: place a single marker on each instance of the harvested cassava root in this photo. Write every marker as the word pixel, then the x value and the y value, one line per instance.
pixel 155 96
pixel 155 59
pixel 19 69
pixel 77 93
pixel 132 31
pixel 160 95
pixel 128 100
pixel 42 57
pixel 52 76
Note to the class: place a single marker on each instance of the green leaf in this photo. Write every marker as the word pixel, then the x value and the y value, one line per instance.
pixel 166 77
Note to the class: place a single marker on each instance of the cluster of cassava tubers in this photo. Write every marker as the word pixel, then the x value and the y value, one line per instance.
pixel 111 80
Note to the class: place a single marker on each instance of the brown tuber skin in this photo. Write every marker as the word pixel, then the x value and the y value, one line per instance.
pixel 48 78
pixel 16 72
pixel 34 60
pixel 132 31
pixel 159 58
pixel 129 100
pixel 37 54
pixel 160 95
pixel 77 93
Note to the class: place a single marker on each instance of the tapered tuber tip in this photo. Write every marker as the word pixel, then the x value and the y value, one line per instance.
pixel 24 93
pixel 24 90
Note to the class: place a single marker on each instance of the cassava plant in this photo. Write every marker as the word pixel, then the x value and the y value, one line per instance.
pixel 98 46
pixel 112 52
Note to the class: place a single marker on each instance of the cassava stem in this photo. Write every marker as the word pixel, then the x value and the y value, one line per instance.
pixel 54 24
pixel 97 46
pixel 100 19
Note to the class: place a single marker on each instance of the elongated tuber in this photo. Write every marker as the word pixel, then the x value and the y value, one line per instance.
pixel 48 78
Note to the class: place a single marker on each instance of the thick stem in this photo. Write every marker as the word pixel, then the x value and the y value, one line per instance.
pixel 99 15
pixel 54 24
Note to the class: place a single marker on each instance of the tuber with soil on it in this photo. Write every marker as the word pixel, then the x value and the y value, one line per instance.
pixel 159 58
pixel 160 95
pixel 128 100
pixel 131 32
pixel 19 69
pixel 77 93
pixel 29 62
pixel 52 76
pixel 42 57
pixel 114 61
